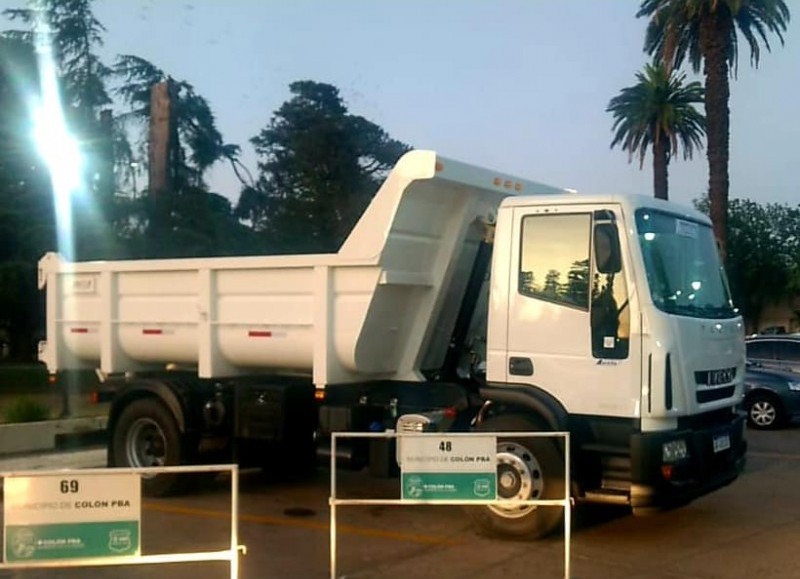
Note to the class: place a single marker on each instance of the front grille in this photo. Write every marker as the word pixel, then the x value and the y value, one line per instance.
pixel 716 377
pixel 715 394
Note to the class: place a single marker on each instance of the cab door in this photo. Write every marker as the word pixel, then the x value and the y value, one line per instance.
pixel 569 316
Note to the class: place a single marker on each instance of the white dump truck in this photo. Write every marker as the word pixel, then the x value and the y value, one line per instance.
pixel 463 299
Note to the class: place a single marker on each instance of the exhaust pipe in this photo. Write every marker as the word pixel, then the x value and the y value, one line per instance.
pixel 346 456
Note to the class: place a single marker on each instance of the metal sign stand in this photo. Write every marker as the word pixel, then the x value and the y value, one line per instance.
pixel 334 501
pixel 230 554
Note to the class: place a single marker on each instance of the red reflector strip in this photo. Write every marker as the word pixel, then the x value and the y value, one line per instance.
pixel 79 330
pixel 259 334
pixel 152 332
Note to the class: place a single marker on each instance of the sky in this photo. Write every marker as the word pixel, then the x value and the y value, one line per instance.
pixel 519 86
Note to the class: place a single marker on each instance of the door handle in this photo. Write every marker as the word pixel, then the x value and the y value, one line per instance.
pixel 520 366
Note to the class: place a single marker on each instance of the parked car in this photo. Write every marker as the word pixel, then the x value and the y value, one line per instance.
pixel 775 352
pixel 771 398
pixel 774 330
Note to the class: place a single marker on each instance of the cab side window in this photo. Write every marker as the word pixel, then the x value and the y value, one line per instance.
pixel 554 264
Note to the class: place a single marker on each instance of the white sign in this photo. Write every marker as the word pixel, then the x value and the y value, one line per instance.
pixel 71 498
pixel 686 228
pixel 448 454
pixel 448 467
pixel 68 515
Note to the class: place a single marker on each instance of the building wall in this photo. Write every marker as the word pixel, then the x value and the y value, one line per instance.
pixel 784 314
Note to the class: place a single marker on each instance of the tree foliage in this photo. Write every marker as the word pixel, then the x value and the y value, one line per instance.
pixel 763 260
pixel 188 221
pixel 74 33
pixel 658 114
pixel 196 223
pixel 67 32
pixel 200 143
pixel 319 166
pixel 26 212
pixel 706 32
pixel 104 225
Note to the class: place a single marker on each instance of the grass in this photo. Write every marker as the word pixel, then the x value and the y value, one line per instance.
pixel 33 378
pixel 26 409
pixel 26 394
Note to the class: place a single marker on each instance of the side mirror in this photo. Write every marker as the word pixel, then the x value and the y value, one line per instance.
pixel 607 253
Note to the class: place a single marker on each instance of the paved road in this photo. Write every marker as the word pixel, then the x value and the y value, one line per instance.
pixel 93 457
pixel 750 529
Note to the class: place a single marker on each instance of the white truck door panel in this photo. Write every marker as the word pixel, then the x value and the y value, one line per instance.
pixel 554 285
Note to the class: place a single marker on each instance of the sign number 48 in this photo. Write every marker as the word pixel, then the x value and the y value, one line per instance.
pixel 446 446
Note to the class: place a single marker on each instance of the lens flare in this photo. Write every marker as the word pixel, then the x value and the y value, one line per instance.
pixel 57 147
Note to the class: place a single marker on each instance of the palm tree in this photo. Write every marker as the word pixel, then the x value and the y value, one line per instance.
pixel 658 112
pixel 706 31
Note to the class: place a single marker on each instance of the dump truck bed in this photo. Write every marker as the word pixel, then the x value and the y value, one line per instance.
pixel 383 306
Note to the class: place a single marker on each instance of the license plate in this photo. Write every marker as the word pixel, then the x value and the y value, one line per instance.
pixel 722 442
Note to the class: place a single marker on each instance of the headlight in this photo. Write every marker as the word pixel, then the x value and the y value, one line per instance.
pixel 674 451
pixel 794 386
pixel 415 423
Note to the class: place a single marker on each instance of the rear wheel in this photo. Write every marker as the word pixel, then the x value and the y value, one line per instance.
pixel 527 469
pixel 764 411
pixel 146 435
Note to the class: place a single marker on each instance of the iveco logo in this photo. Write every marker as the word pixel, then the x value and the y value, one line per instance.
pixel 717 377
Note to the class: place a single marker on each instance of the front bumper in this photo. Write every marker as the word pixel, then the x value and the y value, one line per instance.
pixel 702 472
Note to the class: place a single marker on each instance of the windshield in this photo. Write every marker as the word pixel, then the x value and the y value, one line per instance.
pixel 683 268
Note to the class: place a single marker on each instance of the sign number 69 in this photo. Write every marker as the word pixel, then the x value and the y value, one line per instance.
pixel 69 486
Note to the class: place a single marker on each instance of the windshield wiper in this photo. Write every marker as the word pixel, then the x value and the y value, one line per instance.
pixel 700 311
pixel 725 311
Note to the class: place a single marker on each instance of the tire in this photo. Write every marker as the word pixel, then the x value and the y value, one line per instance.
pixel 764 412
pixel 146 434
pixel 528 468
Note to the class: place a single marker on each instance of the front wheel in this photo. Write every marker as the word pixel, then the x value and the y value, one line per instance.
pixel 527 469
pixel 146 434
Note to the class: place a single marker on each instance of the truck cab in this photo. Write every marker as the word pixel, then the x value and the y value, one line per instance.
pixel 613 316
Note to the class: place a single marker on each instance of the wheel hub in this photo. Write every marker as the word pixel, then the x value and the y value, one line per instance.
pixel 508 480
pixel 519 477
pixel 763 413
pixel 146 444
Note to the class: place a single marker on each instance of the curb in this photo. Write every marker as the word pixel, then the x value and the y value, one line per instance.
pixel 47 435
